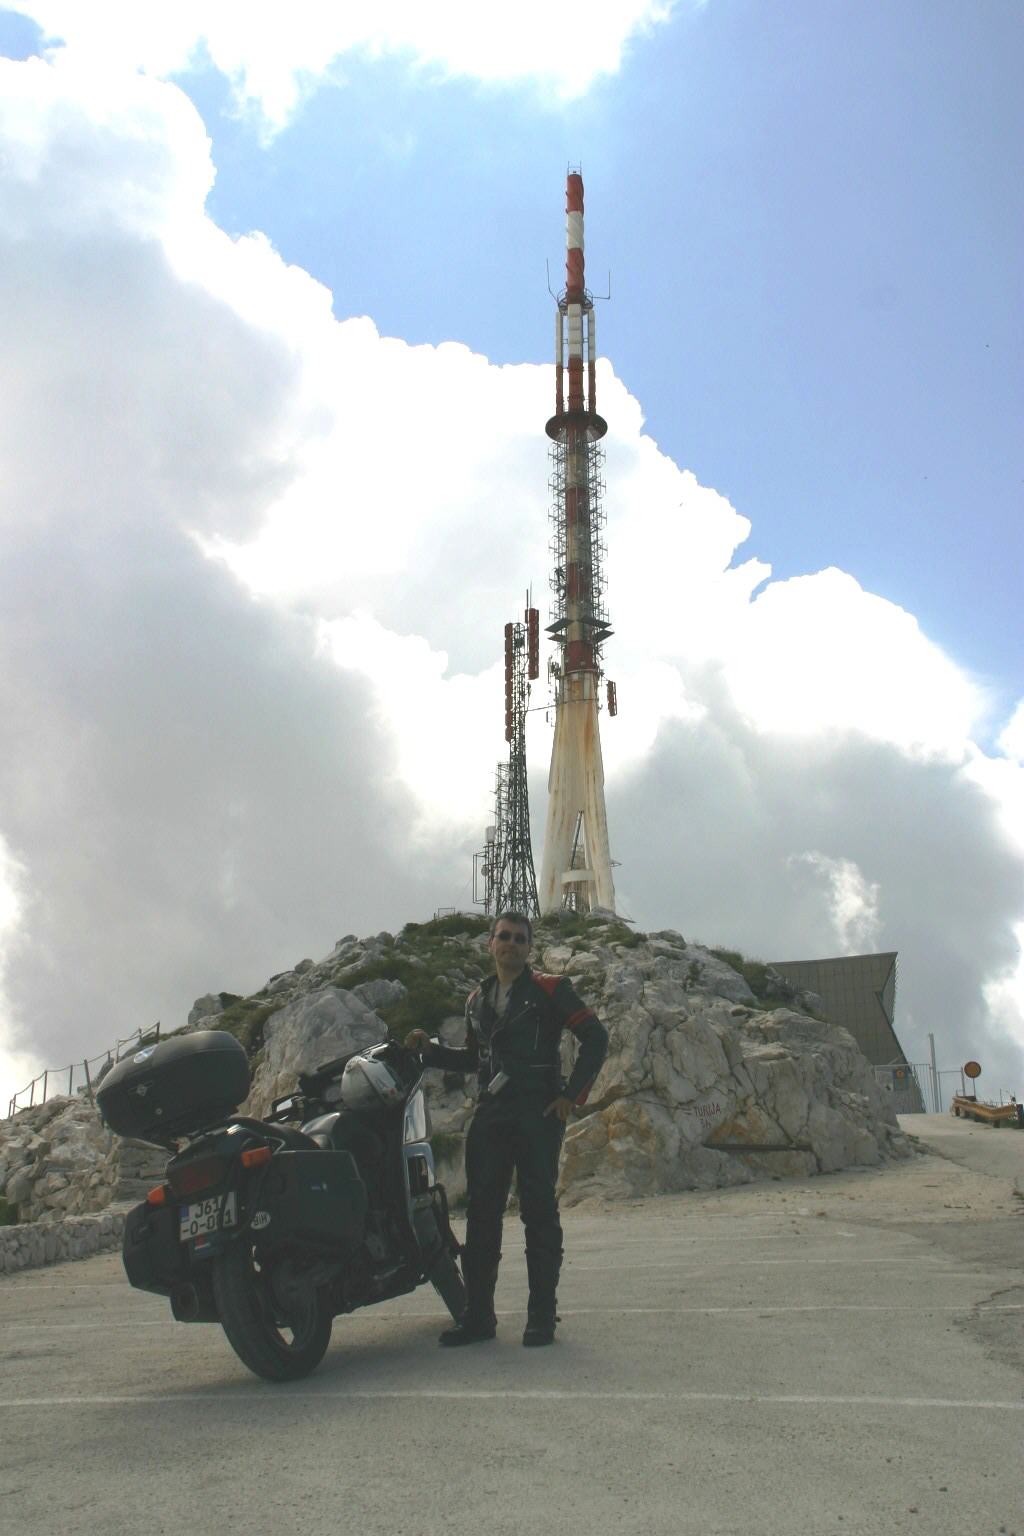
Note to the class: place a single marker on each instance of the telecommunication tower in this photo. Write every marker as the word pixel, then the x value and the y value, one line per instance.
pixel 577 866
pixel 504 868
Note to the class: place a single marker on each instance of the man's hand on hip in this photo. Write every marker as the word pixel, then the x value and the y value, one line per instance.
pixel 562 1107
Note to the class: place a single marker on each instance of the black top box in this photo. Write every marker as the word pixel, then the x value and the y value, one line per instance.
pixel 175 1088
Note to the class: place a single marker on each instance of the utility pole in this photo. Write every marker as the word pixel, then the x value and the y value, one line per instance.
pixel 935 1076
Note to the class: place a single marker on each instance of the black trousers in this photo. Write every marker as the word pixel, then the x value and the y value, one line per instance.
pixel 510 1133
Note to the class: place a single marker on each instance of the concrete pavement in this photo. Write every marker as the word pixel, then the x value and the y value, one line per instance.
pixel 840 1356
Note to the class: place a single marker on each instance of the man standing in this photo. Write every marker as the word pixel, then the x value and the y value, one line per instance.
pixel 514 1023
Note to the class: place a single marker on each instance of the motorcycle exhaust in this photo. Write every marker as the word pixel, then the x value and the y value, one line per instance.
pixel 189 1304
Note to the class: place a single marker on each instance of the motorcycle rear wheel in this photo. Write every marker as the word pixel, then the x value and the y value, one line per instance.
pixel 278 1339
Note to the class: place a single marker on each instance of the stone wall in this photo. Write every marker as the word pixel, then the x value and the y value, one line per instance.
pixel 35 1243
pixel 68 1182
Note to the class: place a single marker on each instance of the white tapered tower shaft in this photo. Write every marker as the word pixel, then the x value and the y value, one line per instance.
pixel 577 868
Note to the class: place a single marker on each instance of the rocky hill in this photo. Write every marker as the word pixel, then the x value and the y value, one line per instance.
pixel 718 1071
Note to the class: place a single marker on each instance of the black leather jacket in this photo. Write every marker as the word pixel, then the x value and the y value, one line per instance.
pixel 527 1036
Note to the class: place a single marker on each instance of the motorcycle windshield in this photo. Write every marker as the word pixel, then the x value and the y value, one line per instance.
pixel 415 1127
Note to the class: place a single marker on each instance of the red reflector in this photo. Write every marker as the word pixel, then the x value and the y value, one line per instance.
pixel 198 1175
pixel 256 1156
pixel 157 1196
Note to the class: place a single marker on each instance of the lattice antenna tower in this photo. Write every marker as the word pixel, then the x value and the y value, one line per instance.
pixel 504 868
pixel 577 865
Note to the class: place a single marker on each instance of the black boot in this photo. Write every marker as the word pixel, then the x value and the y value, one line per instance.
pixel 467 1332
pixel 543 1269
pixel 478 1322
pixel 540 1328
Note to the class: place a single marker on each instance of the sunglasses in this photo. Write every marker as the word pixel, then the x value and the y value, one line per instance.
pixel 515 938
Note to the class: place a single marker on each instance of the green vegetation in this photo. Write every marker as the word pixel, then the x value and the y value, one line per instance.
pixel 754 972
pixel 570 925
pixel 620 934
pixel 448 927
pixel 8 1214
pixel 244 1018
pixel 429 998
pixel 428 1001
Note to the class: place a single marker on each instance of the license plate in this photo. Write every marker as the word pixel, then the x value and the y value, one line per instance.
pixel 207 1216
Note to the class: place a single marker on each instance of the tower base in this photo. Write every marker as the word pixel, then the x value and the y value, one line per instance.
pixel 577 867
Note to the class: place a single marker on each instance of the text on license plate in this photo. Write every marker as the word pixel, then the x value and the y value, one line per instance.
pixel 207 1216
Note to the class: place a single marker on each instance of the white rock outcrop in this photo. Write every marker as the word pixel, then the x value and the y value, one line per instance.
pixel 305 1033
pixel 701 1090
pixel 56 1159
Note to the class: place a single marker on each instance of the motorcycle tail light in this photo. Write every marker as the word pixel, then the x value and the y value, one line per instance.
pixel 256 1157
pixel 158 1196
pixel 198 1175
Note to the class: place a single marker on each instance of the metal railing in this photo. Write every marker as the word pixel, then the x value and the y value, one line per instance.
pixel 929 1082
pixel 52 1080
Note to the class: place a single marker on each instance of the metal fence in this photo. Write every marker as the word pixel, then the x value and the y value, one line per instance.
pixel 902 1080
pixel 920 1087
pixel 61 1080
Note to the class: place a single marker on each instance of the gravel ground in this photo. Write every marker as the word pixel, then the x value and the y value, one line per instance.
pixel 837 1356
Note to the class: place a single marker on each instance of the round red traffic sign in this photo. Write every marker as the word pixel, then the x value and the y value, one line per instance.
pixel 972 1069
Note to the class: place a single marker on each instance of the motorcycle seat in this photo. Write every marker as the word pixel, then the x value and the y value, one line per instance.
pixel 298 1141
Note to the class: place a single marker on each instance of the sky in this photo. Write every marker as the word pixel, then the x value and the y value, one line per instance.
pixel 276 365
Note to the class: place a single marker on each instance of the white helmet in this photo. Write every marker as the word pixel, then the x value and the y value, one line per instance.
pixel 366 1081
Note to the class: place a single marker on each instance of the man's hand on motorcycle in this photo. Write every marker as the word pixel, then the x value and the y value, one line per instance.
pixel 417 1040
pixel 562 1107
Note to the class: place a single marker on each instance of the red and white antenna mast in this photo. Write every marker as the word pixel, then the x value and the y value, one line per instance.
pixel 577 869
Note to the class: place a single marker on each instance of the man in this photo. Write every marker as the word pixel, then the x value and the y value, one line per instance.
pixel 514 1024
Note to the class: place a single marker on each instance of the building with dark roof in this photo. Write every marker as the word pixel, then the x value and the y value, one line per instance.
pixel 859 992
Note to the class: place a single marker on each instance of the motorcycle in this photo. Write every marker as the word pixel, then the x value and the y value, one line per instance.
pixel 275 1227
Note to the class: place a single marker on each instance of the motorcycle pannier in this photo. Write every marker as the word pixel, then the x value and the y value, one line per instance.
pixel 155 1259
pixel 310 1197
pixel 175 1088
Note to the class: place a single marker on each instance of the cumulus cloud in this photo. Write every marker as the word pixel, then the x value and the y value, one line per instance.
pixel 16 1067
pixel 250 689
pixel 801 847
pixel 563 47
pixel 852 900
pixel 193 793
pixel 1011 737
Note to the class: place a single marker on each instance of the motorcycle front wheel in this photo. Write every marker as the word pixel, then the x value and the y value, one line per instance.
pixel 276 1327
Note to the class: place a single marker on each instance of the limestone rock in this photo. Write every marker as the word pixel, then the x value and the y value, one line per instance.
pixel 583 964
pixel 380 993
pixel 706 973
pixel 692 1087
pixel 304 1034
pixel 555 958
pixel 19 1186
pixel 204 1008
